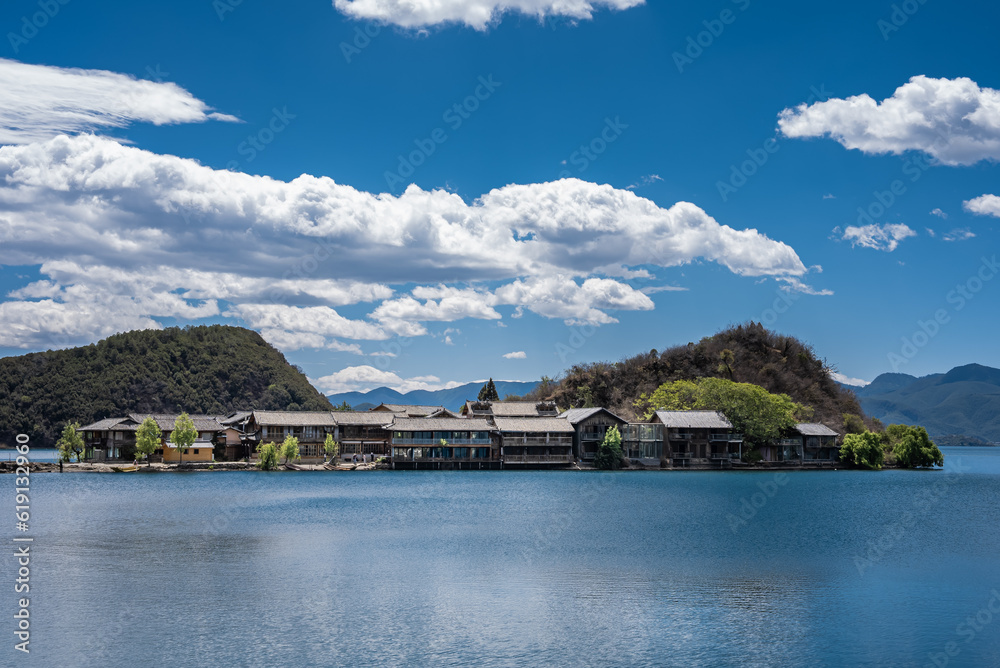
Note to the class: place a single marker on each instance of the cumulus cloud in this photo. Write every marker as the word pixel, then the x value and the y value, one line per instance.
pixel 176 238
pixel 879 237
pixel 38 102
pixel 478 14
pixel 364 378
pixel 952 120
pixel 518 355
pixel 984 205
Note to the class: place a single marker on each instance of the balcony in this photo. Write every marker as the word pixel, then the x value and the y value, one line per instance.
pixel 790 442
pixel 725 437
pixel 682 455
pixel 432 442
pixel 681 436
pixel 538 459
pixel 539 442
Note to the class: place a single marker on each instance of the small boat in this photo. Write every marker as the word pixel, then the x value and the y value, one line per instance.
pixel 295 467
pixel 125 469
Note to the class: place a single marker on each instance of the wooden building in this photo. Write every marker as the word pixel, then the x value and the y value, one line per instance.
pixel 490 409
pixel 363 433
pixel 449 443
pixel 535 441
pixel 807 442
pixel 310 428
pixel 408 410
pixel 589 428
pixel 698 438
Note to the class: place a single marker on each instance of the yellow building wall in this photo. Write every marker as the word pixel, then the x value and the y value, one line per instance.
pixel 201 452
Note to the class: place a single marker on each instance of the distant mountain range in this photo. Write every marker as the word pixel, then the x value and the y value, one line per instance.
pixel 966 401
pixel 451 399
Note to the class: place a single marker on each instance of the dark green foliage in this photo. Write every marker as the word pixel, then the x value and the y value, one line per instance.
pixel 489 392
pixel 344 407
pixel 746 353
pixel 609 454
pixel 863 451
pixel 208 369
pixel 911 447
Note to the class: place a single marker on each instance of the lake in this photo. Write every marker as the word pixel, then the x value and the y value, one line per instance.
pixel 516 568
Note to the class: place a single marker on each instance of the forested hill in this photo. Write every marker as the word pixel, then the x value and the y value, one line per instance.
pixel 209 369
pixel 746 354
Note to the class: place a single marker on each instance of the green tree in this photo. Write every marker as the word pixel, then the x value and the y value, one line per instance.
pixel 147 438
pixel 609 454
pixel 759 415
pixel 331 447
pixel 70 444
pixel 184 435
pixel 267 459
pixel 863 450
pixel 912 447
pixel 290 449
pixel 853 424
pixel 489 392
pixel 344 407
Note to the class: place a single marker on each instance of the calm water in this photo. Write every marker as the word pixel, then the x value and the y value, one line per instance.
pixel 515 569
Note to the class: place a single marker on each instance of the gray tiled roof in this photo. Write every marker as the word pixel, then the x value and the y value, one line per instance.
pixel 362 418
pixel 814 429
pixel 534 424
pixel 103 425
pixel 408 409
pixel 694 419
pixel 440 424
pixel 294 418
pixel 165 421
pixel 577 415
pixel 518 408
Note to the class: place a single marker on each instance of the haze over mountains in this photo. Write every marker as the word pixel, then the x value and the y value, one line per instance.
pixel 965 400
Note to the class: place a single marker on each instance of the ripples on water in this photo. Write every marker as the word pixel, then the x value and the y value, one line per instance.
pixel 512 569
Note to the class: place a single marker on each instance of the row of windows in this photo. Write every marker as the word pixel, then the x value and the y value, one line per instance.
pixel 438 435
pixel 441 453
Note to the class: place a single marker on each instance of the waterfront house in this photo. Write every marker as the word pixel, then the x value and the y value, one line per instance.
pixel 310 427
pixel 642 443
pixel 535 441
pixel 421 443
pixel 807 442
pixel 698 438
pixel 589 428
pixel 109 439
pixel 363 433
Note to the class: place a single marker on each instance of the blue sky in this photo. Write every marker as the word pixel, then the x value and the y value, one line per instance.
pixel 612 179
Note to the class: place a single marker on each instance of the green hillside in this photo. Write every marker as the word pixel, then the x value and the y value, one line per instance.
pixel 209 369
pixel 746 353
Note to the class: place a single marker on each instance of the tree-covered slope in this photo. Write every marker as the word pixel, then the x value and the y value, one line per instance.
pixel 208 369
pixel 746 353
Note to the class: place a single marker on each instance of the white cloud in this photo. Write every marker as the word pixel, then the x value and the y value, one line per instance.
pixel 841 378
pixel 984 205
pixel 931 233
pixel 829 196
pixel 518 355
pixel 879 237
pixel 38 102
pixel 274 250
pixel 939 213
pixel 51 324
pixel 959 234
pixel 478 14
pixel 952 120
pixel 364 378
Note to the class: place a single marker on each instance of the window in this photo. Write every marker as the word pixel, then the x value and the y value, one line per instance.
pixel 196 451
